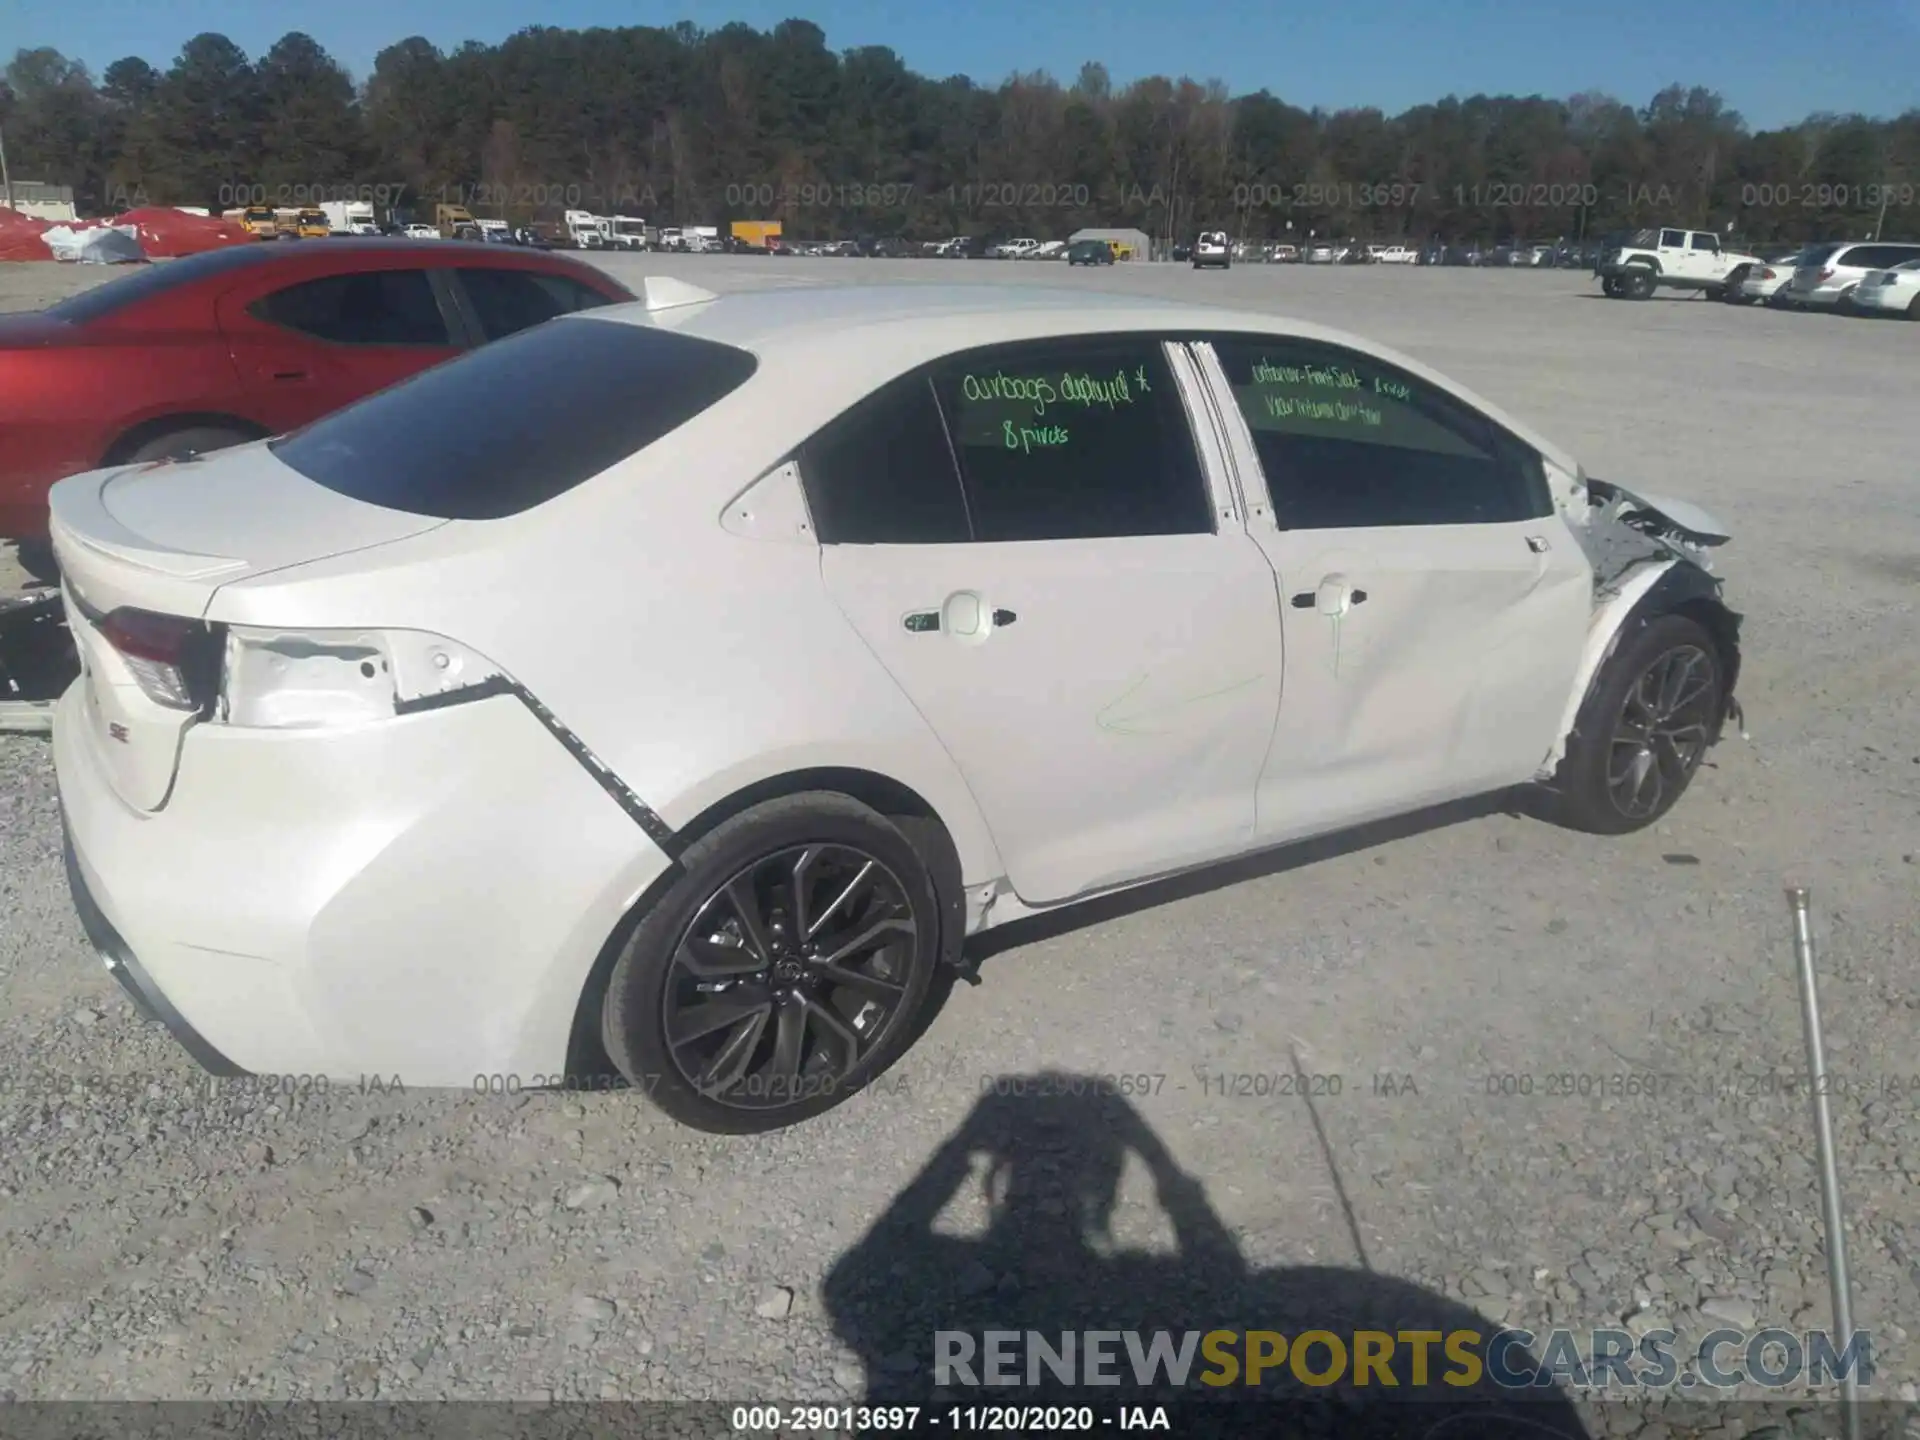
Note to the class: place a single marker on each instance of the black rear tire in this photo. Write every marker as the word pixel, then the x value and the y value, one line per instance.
pixel 1638 283
pixel 181 444
pixel 729 1076
pixel 1636 746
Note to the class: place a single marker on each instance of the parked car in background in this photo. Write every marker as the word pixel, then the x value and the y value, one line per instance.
pixel 1826 276
pixel 421 232
pixel 1090 252
pixel 1015 249
pixel 1320 254
pixel 1890 292
pixel 236 344
pixel 1212 250
pixel 1395 255
pixel 1758 279
pixel 1048 250
pixel 1671 259
pixel 354 782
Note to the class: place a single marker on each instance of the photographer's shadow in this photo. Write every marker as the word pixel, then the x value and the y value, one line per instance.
pixel 1050 1152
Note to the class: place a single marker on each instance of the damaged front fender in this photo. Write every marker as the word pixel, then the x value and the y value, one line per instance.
pixel 1649 558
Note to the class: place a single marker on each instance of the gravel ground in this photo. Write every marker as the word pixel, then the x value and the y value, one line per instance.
pixel 169 1237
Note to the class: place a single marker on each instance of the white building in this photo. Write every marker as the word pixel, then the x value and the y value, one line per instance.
pixel 42 201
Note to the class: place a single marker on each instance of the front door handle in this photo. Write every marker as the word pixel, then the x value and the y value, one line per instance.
pixel 290 375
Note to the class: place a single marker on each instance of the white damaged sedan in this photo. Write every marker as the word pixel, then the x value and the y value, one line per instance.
pixel 670 689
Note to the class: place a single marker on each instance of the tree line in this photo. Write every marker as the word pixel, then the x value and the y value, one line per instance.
pixel 687 126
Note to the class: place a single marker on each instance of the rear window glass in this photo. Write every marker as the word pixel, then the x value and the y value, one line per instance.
pixel 154 279
pixel 514 424
pixel 1817 254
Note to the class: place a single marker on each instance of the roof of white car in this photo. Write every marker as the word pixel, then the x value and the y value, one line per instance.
pixel 883 329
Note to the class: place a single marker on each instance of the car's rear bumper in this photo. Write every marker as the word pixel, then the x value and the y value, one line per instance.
pixel 124 968
pixel 1817 295
pixel 422 898
pixel 1886 299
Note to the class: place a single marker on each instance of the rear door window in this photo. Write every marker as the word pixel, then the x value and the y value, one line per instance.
pixel 1348 441
pixel 883 473
pixel 506 301
pixel 367 307
pixel 1706 242
pixel 1673 239
pixel 510 426
pixel 1073 440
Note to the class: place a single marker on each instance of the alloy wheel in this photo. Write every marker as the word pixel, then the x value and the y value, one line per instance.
pixel 1662 731
pixel 789 976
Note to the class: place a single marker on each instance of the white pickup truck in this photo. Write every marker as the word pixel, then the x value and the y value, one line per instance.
pixel 1669 258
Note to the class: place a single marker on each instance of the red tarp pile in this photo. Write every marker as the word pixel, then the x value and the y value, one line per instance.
pixel 164 233
pixel 20 237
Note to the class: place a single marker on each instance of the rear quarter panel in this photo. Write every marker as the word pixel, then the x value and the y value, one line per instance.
pixel 693 662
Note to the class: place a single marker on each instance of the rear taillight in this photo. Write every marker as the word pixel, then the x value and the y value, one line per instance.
pixel 1826 273
pixel 175 661
pixel 338 679
pixel 1767 274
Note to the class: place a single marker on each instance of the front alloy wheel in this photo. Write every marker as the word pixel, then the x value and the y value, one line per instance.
pixel 1643 729
pixel 1662 732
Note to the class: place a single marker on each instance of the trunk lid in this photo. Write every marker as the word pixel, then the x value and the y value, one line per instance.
pixel 158 540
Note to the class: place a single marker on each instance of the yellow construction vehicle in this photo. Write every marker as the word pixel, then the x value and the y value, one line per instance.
pixel 455 222
pixel 756 232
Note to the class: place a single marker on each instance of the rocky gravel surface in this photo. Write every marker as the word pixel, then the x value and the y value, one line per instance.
pixel 1557 1079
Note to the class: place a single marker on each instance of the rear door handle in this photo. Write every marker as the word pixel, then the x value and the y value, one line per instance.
pixel 1308 599
pixel 290 375
pixel 961 615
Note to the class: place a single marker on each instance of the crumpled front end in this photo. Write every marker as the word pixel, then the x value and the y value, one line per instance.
pixel 1650 556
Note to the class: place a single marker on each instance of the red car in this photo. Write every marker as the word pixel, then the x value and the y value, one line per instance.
pixel 246 342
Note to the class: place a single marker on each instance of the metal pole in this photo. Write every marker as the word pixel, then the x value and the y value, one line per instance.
pixel 1829 1168
pixel 6 180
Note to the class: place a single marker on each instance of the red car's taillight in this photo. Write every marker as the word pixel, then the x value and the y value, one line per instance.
pixel 169 657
